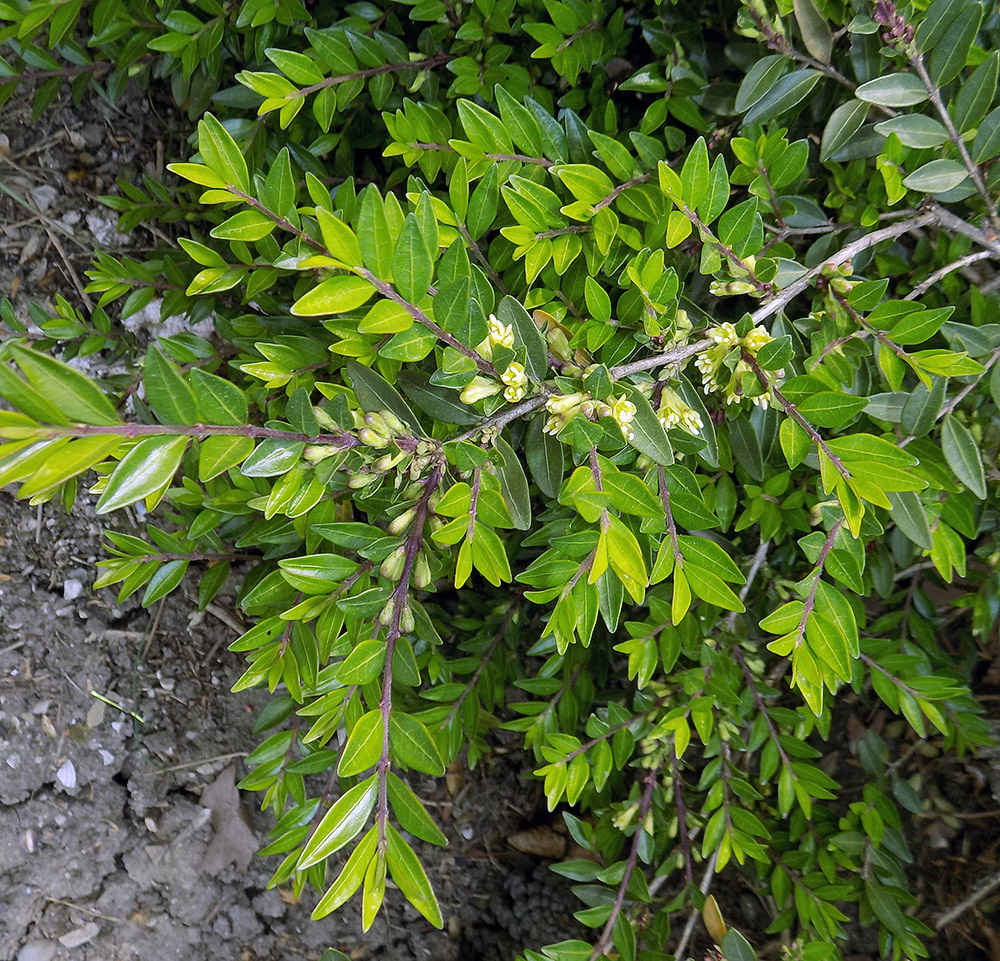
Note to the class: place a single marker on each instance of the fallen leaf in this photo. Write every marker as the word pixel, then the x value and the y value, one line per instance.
pixel 540 841
pixel 233 841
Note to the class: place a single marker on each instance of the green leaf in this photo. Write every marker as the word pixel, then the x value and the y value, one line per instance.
pixel 167 392
pixel 339 239
pixel 217 454
pixel 219 401
pixel 75 395
pixel 695 174
pixel 789 91
pixel 412 744
pixel 246 226
pixel 68 461
pixel 585 182
pixel 940 15
pixel 545 458
pixel 975 95
pixel 936 177
pixel 143 472
pixel 338 295
pixel 526 334
pixel 648 435
pixel 893 90
pixel 513 484
pixel 350 877
pixel 735 947
pixel 221 154
pixel 759 80
pixel 375 393
pixel 364 745
pixel 962 453
pixel 411 814
pixel 816 33
pixel 363 664
pixel 914 130
pixel 948 59
pixel 342 823
pixel 412 263
pixel 843 124
pixel 411 879
pixel 910 517
pixel 316 573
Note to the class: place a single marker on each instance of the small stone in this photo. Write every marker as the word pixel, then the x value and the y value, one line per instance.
pixel 44 196
pixel 37 951
pixel 66 775
pixel 81 935
pixel 72 589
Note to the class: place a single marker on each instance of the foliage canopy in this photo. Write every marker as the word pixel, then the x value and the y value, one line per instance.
pixel 607 374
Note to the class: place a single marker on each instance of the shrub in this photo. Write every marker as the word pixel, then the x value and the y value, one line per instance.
pixel 609 375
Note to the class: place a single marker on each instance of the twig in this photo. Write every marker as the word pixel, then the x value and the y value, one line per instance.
pixel 12 647
pixel 675 356
pixel 90 911
pixel 189 764
pixel 981 891
pixel 956 138
pixel 926 285
pixel 706 883
pixel 760 555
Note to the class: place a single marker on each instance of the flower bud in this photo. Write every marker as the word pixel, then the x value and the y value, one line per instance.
pixel 385 615
pixel 356 481
pixel 421 572
pixel 393 424
pixel 477 389
pixel 399 524
pixel 740 287
pixel 371 438
pixel 392 566
pixel 406 621
pixel 318 452
pixel 324 419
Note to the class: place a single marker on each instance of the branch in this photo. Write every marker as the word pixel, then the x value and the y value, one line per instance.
pixel 675 356
pixel 341 439
pixel 630 865
pixel 975 173
pixel 399 600
pixel 943 272
pixel 505 416
pixel 848 252
pixel 429 63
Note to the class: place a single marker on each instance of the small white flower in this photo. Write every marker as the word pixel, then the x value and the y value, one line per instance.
pixel 514 375
pixel 502 334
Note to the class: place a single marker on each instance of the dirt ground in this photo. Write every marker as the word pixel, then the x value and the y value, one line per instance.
pixel 125 839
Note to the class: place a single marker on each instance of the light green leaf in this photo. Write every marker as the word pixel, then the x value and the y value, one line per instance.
pixel 167 391
pixel 364 745
pixel 144 471
pixel 350 877
pixel 412 263
pixel 411 814
pixel 910 517
pixel 342 823
pixel 843 124
pixel 816 33
pixel 219 453
pixel 316 573
pixel 75 395
pixel 221 154
pixel 914 130
pixel 338 295
pixel 893 90
pixel 936 177
pixel 412 744
pixel 411 879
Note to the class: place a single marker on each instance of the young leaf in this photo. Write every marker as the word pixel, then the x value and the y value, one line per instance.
pixel 342 823
pixel 411 879
pixel 143 472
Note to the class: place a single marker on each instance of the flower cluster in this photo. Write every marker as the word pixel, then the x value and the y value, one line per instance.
pixel 514 379
pixel 723 367
pixel 563 407
pixel 675 412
